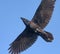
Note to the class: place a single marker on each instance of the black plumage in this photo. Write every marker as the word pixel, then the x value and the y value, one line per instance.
pixel 34 28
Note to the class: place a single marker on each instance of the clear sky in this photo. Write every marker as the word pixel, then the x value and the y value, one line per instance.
pixel 11 26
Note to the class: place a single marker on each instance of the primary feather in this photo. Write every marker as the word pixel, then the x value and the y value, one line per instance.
pixel 23 41
pixel 44 13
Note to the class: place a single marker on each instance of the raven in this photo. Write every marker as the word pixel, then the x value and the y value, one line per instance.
pixel 34 28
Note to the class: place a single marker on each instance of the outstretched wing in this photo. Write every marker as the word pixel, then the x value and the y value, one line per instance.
pixel 23 41
pixel 43 13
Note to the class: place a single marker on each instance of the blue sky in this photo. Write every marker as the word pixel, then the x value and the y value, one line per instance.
pixel 11 26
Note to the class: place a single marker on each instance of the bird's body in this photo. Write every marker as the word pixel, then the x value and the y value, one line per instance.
pixel 34 28
pixel 38 30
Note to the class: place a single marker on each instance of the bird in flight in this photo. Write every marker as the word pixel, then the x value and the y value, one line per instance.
pixel 34 28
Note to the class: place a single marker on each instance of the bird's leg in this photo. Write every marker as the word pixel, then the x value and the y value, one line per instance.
pixel 39 30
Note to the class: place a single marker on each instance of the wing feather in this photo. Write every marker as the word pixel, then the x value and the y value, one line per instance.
pixel 23 41
pixel 43 13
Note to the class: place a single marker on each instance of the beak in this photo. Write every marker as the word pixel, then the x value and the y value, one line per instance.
pixel 23 19
pixel 26 22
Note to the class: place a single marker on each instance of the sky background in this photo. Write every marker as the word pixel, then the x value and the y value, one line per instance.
pixel 11 26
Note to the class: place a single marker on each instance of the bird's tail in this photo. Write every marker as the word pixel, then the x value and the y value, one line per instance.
pixel 47 36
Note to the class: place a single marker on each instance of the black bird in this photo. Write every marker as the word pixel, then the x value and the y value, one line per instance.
pixel 34 28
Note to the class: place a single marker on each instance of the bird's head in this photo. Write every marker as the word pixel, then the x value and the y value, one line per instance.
pixel 26 22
